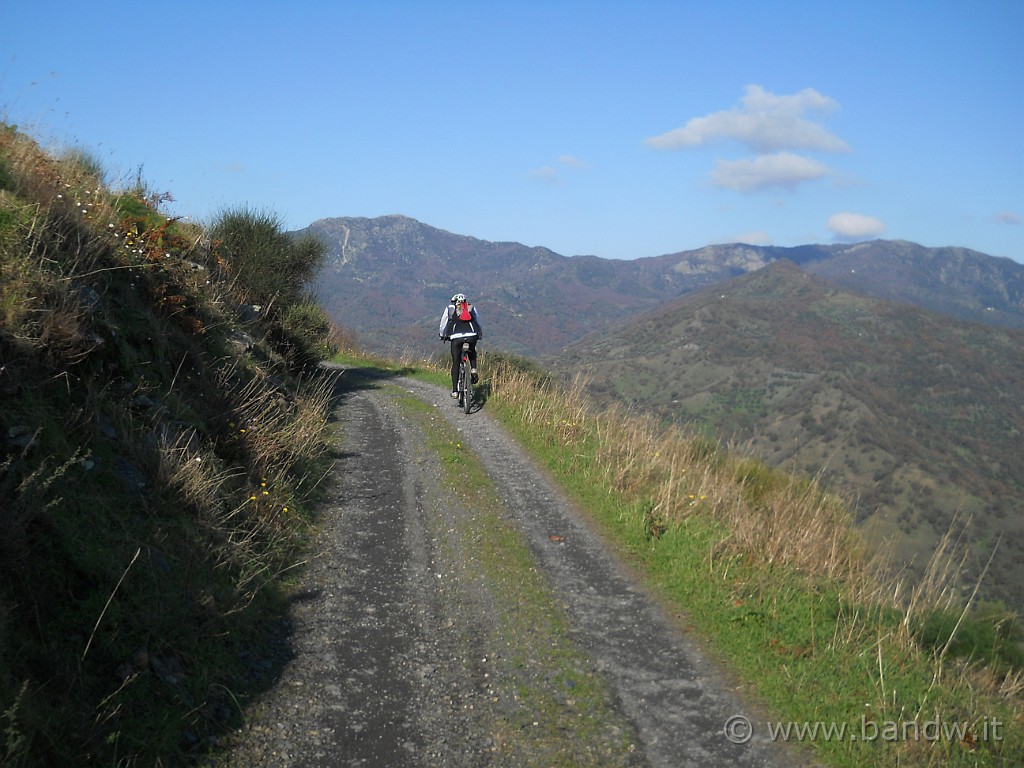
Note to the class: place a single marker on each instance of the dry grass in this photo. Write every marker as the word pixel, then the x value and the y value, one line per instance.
pixel 134 420
pixel 772 516
pixel 774 520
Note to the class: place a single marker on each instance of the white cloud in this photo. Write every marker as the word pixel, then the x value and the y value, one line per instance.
pixel 1008 217
pixel 764 121
pixel 572 162
pixel 547 174
pixel 854 226
pixel 783 169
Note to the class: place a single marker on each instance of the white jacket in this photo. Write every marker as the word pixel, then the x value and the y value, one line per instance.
pixel 453 328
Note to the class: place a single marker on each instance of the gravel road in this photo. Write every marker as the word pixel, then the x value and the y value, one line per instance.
pixel 396 651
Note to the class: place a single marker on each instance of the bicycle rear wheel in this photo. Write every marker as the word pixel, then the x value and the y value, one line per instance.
pixel 467 386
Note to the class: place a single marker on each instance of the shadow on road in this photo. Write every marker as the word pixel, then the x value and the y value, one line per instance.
pixel 267 651
pixel 267 646
pixel 350 379
pixel 347 380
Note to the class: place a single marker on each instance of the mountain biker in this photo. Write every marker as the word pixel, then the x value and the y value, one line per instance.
pixel 460 324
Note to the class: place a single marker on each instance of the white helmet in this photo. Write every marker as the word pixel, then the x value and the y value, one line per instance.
pixel 458 297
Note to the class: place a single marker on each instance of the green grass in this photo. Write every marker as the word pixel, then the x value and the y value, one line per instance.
pixel 807 653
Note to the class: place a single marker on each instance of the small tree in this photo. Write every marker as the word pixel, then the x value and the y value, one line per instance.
pixel 270 265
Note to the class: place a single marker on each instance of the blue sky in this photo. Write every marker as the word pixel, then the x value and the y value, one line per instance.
pixel 619 129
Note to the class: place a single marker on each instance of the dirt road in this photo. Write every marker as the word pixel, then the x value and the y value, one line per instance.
pixel 402 652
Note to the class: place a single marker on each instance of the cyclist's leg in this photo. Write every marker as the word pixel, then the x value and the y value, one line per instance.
pixel 472 356
pixel 456 359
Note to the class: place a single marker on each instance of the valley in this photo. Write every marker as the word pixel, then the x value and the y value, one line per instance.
pixel 826 360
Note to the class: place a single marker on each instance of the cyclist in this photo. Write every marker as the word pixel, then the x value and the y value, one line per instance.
pixel 460 324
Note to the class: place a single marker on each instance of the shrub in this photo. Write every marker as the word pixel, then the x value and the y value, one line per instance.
pixel 272 267
pixel 83 166
pixel 308 331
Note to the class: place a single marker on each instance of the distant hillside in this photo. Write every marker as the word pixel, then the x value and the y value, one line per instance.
pixel 955 281
pixel 917 414
pixel 388 278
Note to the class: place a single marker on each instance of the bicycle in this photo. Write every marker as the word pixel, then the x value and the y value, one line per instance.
pixel 465 388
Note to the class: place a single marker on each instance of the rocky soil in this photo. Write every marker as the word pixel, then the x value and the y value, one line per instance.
pixel 399 648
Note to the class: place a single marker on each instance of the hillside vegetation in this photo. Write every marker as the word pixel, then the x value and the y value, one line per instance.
pixel 161 433
pixel 915 415
pixel 768 567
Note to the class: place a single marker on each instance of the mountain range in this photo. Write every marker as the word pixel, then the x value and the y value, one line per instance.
pixel 893 369
pixel 388 279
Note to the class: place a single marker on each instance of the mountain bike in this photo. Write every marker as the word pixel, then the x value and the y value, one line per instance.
pixel 465 387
